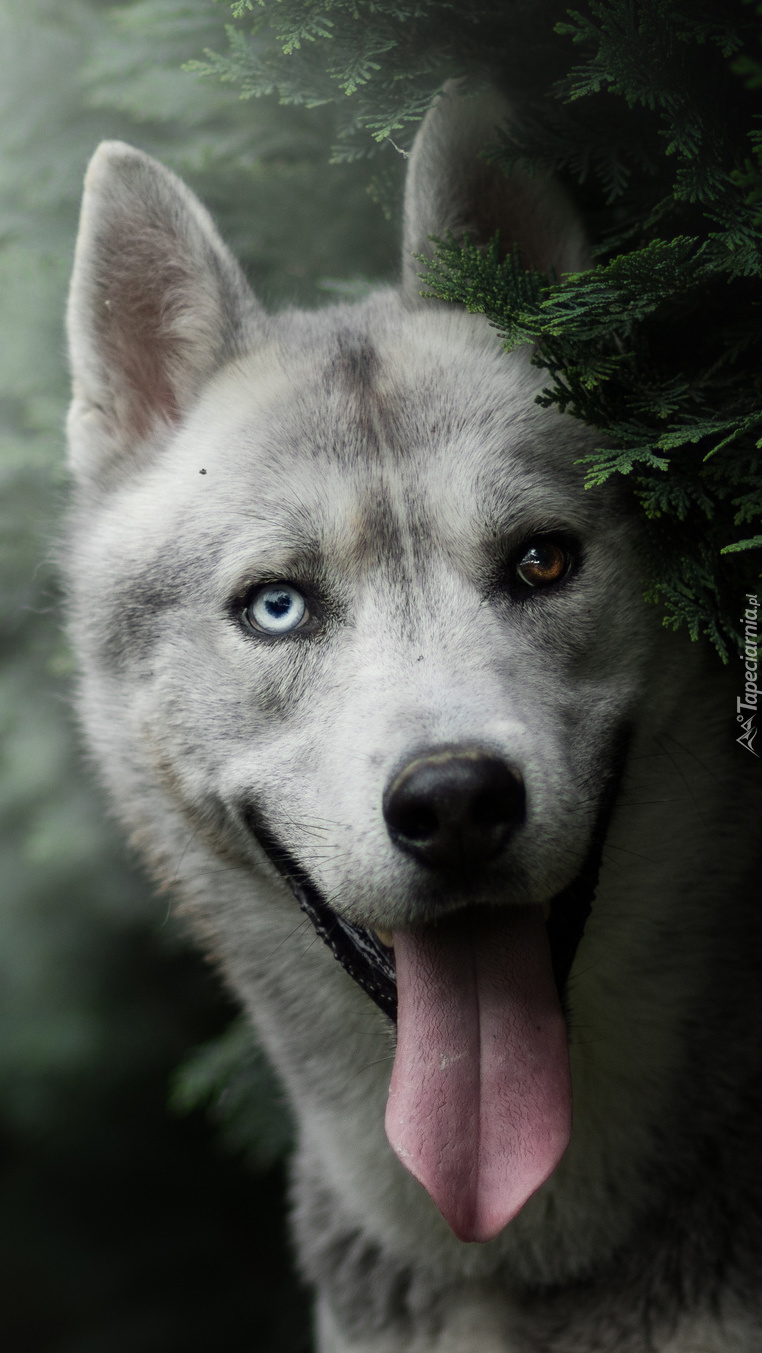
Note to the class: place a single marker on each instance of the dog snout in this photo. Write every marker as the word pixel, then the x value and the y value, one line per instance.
pixel 454 808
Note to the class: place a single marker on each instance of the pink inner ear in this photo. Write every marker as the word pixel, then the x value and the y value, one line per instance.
pixel 138 314
pixel 157 301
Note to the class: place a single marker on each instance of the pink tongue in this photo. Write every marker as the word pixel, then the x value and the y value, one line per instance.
pixel 479 1104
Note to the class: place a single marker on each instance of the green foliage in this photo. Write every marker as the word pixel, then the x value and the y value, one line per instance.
pixel 381 61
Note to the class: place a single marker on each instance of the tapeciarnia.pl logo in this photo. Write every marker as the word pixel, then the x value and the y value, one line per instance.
pixel 746 705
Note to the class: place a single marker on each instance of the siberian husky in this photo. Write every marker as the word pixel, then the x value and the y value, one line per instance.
pixel 369 676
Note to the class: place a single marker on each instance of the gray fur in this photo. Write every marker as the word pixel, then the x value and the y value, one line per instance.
pixel 388 455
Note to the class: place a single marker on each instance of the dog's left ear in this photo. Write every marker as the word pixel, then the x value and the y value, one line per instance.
pixel 450 189
pixel 157 305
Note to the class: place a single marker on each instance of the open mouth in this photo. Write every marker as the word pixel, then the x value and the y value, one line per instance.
pixel 369 959
pixel 479 1107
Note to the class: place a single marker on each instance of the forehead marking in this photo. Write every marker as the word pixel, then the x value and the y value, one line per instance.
pixel 355 362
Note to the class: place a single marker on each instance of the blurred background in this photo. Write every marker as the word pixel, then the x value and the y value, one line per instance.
pixel 141 1206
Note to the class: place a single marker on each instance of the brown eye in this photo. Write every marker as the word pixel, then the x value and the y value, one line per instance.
pixel 542 562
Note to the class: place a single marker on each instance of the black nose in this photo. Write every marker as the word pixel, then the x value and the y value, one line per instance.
pixel 454 807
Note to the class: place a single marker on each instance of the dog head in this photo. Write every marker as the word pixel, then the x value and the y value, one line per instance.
pixel 343 600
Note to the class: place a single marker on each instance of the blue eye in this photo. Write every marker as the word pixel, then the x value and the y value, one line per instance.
pixel 277 608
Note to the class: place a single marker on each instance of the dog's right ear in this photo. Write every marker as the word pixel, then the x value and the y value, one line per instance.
pixel 157 305
pixel 450 188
